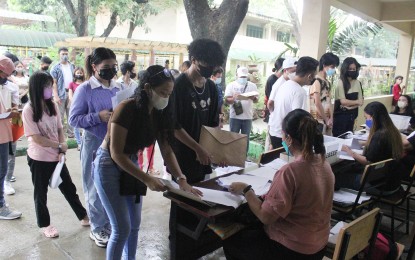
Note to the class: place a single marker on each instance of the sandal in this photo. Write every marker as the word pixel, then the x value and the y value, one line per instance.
pixel 154 171
pixel 50 232
pixel 85 221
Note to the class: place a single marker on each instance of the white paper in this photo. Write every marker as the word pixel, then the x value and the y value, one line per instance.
pixel 56 179
pixel 412 134
pixel 221 197
pixel 401 122
pixel 349 196
pixel 276 164
pixel 4 115
pixel 121 96
pixel 255 181
pixel 334 232
pixel 246 95
pixel 354 145
pixel 225 170
pixel 267 173
pixel 174 187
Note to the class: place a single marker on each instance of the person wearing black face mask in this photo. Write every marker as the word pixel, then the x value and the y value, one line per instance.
pixel 91 110
pixel 348 97
pixel 45 62
pixel 128 75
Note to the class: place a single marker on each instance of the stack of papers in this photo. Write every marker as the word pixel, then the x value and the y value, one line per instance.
pixel 347 196
pixel 225 170
pixel 354 144
pixel 334 232
pixel 275 164
pixel 247 95
pixel 259 184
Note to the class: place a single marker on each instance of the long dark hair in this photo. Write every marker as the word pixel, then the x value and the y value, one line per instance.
pixel 343 72
pixel 303 130
pixel 383 124
pixel 97 57
pixel 163 120
pixel 408 110
pixel 15 65
pixel 75 70
pixel 37 83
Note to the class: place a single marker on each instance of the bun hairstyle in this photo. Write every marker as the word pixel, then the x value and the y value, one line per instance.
pixel 278 64
pixel 303 130
pixel 97 57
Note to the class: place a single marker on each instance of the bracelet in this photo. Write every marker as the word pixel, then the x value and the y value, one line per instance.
pixel 247 188
pixel 181 178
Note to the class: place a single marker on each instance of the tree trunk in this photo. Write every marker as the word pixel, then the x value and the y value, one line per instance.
pixel 294 21
pixel 79 17
pixel 111 24
pixel 130 34
pixel 219 24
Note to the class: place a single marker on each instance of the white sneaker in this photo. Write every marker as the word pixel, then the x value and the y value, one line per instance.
pixel 8 188
pixel 100 238
pixel 6 213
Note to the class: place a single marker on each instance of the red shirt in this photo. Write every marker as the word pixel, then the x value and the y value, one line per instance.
pixel 73 86
pixel 396 91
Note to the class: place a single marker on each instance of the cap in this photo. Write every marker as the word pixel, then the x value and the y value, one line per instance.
pixel 242 72
pixel 6 65
pixel 289 63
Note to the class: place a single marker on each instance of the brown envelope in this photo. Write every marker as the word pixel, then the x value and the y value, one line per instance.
pixel 224 146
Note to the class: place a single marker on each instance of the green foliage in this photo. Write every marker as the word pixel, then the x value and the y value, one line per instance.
pixel 254 58
pixel 289 48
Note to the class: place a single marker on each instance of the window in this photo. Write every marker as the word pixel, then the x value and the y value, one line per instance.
pixel 283 36
pixel 254 31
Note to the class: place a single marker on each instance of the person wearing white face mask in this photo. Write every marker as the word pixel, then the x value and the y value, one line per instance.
pixel 217 78
pixel 404 108
pixel 241 118
pixel 319 93
pixel 22 81
pixel 117 156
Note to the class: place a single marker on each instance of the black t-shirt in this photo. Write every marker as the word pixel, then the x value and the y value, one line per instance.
pixel 193 108
pixel 268 87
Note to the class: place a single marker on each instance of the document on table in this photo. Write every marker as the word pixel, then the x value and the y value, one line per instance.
pixel 174 187
pixel 354 144
pixel 348 196
pixel 122 95
pixel 4 115
pixel 263 172
pixel 276 164
pixel 259 184
pixel 225 170
pixel 56 179
pixel 222 197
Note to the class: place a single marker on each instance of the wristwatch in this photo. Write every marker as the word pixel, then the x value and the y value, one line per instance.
pixel 247 188
pixel 181 178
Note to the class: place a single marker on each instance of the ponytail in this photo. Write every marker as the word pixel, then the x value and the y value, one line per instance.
pixel 97 57
pixel 88 66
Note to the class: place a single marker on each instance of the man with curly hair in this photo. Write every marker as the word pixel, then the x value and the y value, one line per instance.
pixel 195 98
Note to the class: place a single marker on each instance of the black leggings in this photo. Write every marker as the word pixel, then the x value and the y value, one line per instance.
pixel 254 243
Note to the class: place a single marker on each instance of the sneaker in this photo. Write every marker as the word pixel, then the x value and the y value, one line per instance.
pixel 100 238
pixel 8 188
pixel 6 213
pixel 12 179
pixel 85 221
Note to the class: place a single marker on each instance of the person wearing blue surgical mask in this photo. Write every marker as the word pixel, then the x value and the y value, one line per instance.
pixel 320 92
pixel 241 110
pixel 217 78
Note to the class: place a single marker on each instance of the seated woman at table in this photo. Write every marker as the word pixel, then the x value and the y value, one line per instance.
pixel 384 142
pixel 404 108
pixel 296 210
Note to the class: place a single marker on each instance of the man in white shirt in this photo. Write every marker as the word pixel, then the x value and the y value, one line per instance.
pixel 291 96
pixel 241 119
pixel 128 75
pixel 62 74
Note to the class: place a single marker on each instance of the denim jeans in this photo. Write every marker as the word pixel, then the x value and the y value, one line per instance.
pixel 11 162
pixel 77 133
pixel 96 212
pixel 4 153
pixel 123 212
pixel 243 126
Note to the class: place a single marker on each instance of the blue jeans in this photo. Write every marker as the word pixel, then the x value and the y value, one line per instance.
pixel 4 154
pixel 77 133
pixel 123 212
pixel 243 126
pixel 96 212
pixel 11 163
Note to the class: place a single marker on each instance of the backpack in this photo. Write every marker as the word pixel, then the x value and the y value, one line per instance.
pixel 384 249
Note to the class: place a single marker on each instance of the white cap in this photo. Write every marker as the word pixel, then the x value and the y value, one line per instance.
pixel 289 63
pixel 242 72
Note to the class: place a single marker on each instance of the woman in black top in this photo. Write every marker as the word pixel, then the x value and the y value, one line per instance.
pixel 384 142
pixel 270 82
pixel 135 124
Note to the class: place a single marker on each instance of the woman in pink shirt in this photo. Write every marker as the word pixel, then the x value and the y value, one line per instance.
pixel 46 147
pixel 296 210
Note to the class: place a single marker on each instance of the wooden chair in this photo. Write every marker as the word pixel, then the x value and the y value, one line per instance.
pixel 269 156
pixel 374 174
pixel 357 235
pixel 397 199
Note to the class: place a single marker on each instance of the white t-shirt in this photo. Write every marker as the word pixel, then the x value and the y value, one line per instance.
pixel 67 74
pixel 290 96
pixel 247 105
pixel 281 80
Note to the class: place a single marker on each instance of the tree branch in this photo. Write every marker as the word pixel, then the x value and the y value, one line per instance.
pixel 294 20
pixel 111 24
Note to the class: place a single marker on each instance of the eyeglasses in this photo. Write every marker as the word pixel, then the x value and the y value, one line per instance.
pixel 166 72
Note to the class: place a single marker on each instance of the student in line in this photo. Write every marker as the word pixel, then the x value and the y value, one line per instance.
pixel 320 92
pixel 348 97
pixel 126 135
pixel 46 146
pixel 384 142
pixel 397 90
pixel 78 79
pixel 296 210
pixel 91 110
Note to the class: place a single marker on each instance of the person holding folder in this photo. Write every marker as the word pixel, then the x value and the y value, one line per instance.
pixel 296 211
pixel 46 146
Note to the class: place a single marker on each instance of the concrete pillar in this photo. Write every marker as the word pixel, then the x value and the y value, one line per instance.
pixel 134 55
pixel 314 28
pixel 403 63
pixel 268 31
pixel 152 60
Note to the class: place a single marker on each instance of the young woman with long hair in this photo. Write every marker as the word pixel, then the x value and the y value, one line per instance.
pixel 46 146
pixel 296 211
pixel 117 155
